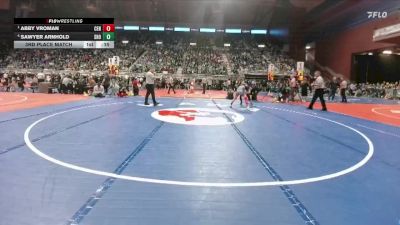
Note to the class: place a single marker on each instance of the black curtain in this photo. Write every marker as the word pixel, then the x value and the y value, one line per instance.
pixel 376 68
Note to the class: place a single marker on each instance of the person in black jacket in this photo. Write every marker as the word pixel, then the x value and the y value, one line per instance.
pixel 333 86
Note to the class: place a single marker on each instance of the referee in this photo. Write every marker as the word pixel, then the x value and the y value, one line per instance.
pixel 150 87
pixel 319 86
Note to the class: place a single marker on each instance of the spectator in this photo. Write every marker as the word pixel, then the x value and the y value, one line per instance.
pixel 343 87
pixel 98 91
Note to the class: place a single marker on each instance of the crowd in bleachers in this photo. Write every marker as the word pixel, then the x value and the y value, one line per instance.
pixel 164 57
pixel 204 61
pixel 171 56
pixel 73 59
pixel 387 90
pixel 245 58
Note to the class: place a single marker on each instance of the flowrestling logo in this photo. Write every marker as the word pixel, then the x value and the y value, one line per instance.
pixel 376 14
pixel 197 116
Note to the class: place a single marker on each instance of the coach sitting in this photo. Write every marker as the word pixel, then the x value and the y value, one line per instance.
pixel 98 91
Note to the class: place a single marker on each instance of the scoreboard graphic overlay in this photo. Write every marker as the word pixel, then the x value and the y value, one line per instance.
pixel 91 33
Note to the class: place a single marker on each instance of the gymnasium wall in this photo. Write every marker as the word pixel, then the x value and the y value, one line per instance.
pixel 336 51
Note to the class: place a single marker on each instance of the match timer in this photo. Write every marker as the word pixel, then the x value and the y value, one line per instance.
pixel 64 33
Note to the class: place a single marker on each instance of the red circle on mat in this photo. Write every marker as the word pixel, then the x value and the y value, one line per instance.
pixel 391 112
pixel 12 99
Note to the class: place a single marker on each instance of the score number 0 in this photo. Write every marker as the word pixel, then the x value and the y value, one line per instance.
pixel 108 28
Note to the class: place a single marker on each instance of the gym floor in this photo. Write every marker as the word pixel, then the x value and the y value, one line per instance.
pixel 69 159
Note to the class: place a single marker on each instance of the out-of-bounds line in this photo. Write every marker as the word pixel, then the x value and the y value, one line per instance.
pixel 59 131
pixel 379 131
pixel 98 194
pixel 287 191
pixel 47 112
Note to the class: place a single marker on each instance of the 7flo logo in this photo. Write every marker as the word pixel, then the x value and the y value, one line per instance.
pixel 376 14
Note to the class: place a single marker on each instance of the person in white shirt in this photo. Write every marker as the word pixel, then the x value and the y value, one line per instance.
pixel 319 87
pixel 293 87
pixel 113 87
pixel 40 77
pixel 209 83
pixel 150 87
pixel 240 92
pixel 66 85
pixel 353 89
pixel 34 83
pixel 343 87
pixel 98 91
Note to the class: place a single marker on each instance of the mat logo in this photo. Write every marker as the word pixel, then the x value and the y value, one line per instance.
pixel 197 116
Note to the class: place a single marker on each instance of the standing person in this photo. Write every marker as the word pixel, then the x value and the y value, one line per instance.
pixel 34 83
pixel 13 85
pixel 333 85
pixel 204 83
pixel 343 87
pixel 254 90
pixel 247 96
pixel 284 91
pixel 162 83
pixel 209 83
pixel 6 82
pixel 20 83
pixel 319 86
pixel 240 92
pixel 228 84
pixel 304 88
pixel 150 87
pixel 293 88
pixel 106 83
pixel 135 86
pixel 171 84
pixel 191 86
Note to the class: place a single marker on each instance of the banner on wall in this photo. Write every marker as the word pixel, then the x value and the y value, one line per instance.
pixel 113 64
pixel 271 69
pixel 115 60
pixel 300 70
